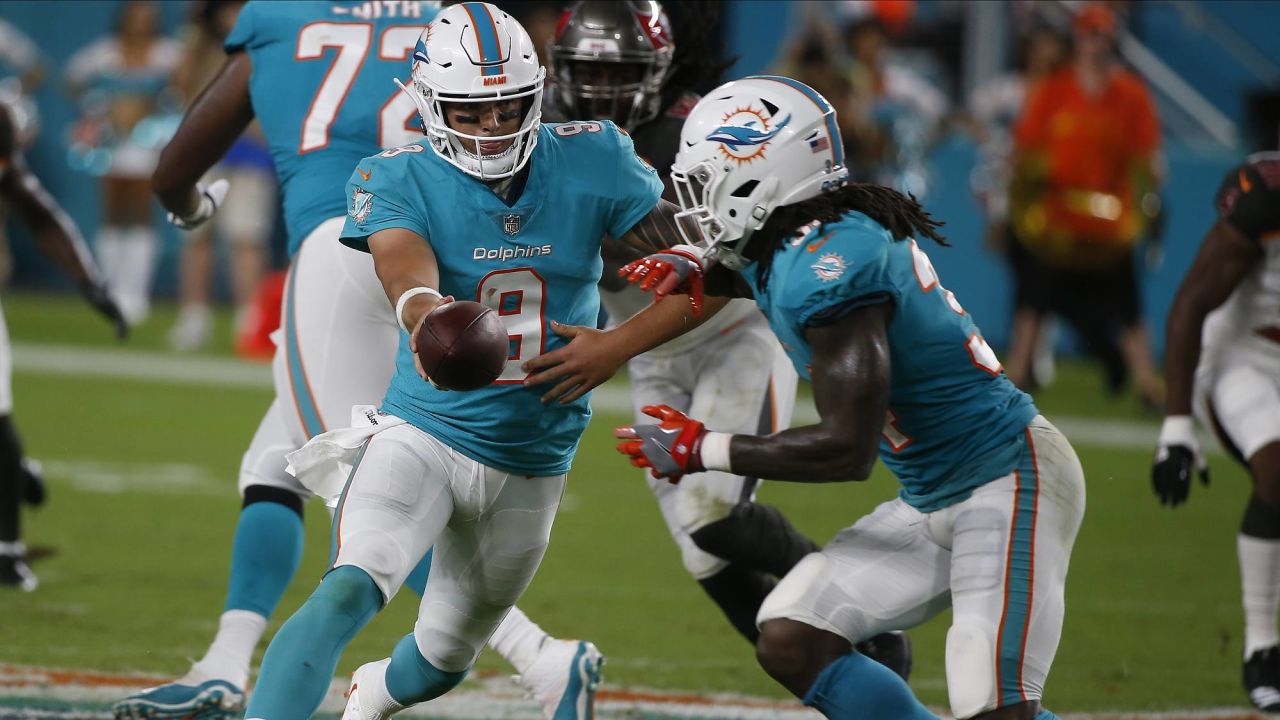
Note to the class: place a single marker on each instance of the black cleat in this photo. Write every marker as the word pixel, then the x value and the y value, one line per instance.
pixel 33 487
pixel 1262 678
pixel 891 649
pixel 14 571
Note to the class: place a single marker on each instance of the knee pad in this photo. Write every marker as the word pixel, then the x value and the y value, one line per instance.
pixel 698 562
pixel 755 536
pixel 971 661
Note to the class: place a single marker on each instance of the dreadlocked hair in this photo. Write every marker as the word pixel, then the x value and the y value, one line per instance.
pixel 902 215
pixel 699 60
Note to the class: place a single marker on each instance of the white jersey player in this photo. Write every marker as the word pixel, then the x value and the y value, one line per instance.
pixel 1222 361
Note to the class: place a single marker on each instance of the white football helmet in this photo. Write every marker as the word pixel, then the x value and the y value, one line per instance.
pixel 474 53
pixel 748 147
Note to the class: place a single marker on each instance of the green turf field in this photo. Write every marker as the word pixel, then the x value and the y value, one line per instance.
pixel 143 504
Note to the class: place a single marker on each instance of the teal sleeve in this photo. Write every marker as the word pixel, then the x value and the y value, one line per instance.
pixel 848 272
pixel 637 190
pixel 375 201
pixel 242 34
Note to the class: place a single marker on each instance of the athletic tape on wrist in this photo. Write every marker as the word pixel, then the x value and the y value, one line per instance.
pixel 406 297
pixel 715 451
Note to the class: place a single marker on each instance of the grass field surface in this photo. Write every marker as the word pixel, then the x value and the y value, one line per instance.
pixel 143 504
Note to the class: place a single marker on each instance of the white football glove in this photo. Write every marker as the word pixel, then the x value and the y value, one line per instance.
pixel 211 198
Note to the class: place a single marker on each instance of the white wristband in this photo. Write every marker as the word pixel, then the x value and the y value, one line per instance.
pixel 406 297
pixel 1178 430
pixel 715 451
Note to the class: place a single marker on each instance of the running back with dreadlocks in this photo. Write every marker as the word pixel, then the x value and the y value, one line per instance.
pixel 902 215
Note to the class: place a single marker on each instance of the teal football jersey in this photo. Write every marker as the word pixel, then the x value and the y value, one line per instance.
pixel 955 419
pixel 323 91
pixel 534 261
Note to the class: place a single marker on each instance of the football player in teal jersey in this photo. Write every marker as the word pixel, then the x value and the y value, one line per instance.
pixel 492 206
pixel 992 495
pixel 319 78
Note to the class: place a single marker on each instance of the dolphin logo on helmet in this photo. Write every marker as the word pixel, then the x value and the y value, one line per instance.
pixel 723 203
pixel 736 136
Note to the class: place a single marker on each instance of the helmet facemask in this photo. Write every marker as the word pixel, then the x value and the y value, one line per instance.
pixel 627 91
pixel 464 150
pixel 720 222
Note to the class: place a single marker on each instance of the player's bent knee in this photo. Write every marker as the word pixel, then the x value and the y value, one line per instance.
pixel 970 662
pixel 349 590
pixel 378 557
pixel 446 651
pixel 781 651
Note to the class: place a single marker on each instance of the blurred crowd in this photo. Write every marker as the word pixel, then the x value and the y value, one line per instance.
pixel 1068 172
pixel 130 87
pixel 1068 176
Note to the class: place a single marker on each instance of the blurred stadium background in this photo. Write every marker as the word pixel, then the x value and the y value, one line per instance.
pixel 141 443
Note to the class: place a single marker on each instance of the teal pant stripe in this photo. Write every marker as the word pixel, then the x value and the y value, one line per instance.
pixel 342 501
pixel 297 376
pixel 1019 580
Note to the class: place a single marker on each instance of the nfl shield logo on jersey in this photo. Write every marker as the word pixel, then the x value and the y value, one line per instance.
pixel 511 224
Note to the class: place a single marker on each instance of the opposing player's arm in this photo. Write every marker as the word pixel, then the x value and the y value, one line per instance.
pixel 216 118
pixel 659 231
pixel 54 231
pixel 1226 256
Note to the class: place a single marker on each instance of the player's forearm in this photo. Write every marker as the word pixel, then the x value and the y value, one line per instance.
pixel 403 261
pixel 1182 352
pixel 216 118
pixel 810 454
pixel 664 320
pixel 56 234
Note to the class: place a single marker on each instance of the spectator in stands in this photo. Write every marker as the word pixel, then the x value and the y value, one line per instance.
pixel 993 109
pixel 1085 158
pixel 906 109
pixel 815 58
pixel 248 212
pixel 119 80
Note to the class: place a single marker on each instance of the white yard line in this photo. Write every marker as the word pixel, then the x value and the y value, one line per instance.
pixel 167 368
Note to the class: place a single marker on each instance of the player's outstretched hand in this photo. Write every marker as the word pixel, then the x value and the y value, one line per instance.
pixel 670 449
pixel 413 342
pixel 211 198
pixel 586 362
pixel 101 300
pixel 678 269
pixel 1178 456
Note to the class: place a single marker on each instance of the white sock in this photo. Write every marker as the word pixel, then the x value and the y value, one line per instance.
pixel 108 246
pixel 229 656
pixel 375 699
pixel 518 639
pixel 1260 589
pixel 137 266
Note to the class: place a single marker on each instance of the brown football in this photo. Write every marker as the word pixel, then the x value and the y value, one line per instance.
pixel 463 345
